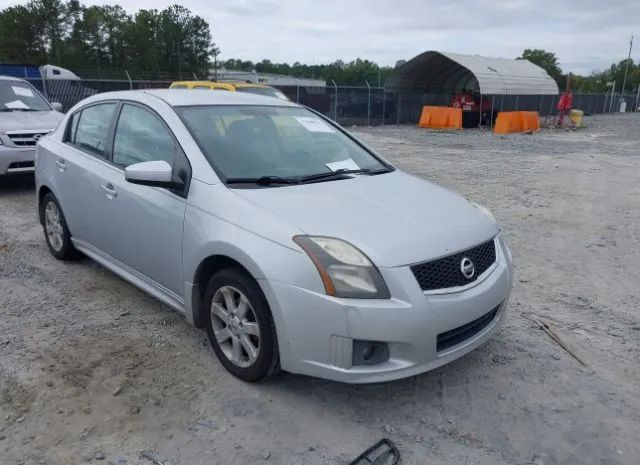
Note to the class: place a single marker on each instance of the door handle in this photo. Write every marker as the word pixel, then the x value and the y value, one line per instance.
pixel 108 188
pixel 62 166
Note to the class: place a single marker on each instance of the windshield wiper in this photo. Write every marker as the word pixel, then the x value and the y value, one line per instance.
pixel 262 180
pixel 380 171
pixel 332 174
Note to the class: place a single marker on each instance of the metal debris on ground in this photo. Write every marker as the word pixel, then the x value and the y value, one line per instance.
pixel 579 324
pixel 147 455
pixel 553 335
pixel 383 452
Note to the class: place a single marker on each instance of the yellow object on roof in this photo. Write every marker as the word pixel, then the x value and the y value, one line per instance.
pixel 248 87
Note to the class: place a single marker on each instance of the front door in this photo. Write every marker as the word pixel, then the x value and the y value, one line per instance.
pixel 144 225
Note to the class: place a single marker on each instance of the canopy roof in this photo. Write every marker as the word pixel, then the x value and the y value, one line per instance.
pixel 437 72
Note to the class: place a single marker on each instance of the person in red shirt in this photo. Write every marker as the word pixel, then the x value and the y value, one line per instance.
pixel 564 104
pixel 456 101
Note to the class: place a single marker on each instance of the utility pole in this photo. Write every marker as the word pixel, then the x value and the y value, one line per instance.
pixel 626 70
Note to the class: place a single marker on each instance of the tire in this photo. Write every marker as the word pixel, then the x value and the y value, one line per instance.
pixel 56 232
pixel 233 337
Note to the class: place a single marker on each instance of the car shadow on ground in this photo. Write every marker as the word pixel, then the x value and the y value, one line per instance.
pixel 16 183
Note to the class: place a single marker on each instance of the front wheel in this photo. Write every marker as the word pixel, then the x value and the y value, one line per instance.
pixel 56 231
pixel 240 326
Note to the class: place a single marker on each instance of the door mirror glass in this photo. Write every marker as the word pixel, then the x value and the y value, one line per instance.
pixel 152 173
pixel 57 106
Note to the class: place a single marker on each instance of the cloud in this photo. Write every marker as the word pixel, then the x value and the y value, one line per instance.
pixel 584 34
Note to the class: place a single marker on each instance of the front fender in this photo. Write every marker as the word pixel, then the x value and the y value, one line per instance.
pixel 207 235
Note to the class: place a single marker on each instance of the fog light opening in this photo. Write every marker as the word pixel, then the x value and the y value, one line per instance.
pixel 369 353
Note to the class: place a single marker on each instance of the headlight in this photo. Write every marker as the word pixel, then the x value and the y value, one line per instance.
pixel 345 270
pixel 485 211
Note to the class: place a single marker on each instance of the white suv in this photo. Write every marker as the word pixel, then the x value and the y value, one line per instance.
pixel 25 117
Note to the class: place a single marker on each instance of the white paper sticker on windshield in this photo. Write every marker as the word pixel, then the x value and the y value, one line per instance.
pixel 22 91
pixel 17 105
pixel 313 124
pixel 347 164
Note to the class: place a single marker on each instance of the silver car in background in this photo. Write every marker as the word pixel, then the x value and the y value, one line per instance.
pixel 25 117
pixel 291 242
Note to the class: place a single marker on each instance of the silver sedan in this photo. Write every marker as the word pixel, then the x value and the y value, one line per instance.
pixel 296 246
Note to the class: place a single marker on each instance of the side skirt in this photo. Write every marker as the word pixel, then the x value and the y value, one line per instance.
pixel 132 276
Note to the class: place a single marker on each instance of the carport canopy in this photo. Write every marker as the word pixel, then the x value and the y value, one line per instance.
pixel 443 72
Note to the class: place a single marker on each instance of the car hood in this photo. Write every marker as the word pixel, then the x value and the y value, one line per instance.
pixel 26 120
pixel 394 218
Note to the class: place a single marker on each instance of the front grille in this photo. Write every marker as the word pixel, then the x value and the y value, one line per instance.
pixel 25 139
pixel 464 332
pixel 446 272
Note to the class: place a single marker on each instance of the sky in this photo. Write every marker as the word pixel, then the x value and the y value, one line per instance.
pixel 586 35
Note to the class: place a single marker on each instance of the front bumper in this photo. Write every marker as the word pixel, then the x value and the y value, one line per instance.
pixel 316 332
pixel 16 159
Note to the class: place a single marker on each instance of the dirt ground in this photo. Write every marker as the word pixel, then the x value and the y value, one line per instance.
pixel 93 370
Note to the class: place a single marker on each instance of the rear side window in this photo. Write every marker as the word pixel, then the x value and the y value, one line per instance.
pixel 141 136
pixel 92 128
pixel 178 86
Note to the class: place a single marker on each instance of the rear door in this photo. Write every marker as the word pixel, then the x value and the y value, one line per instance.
pixel 80 164
pixel 143 225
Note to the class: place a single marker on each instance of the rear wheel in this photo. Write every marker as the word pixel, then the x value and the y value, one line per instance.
pixel 56 231
pixel 240 326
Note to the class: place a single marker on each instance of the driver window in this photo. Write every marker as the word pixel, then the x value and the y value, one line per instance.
pixel 140 136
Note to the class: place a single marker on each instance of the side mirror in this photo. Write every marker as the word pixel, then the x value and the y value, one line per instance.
pixel 152 173
pixel 57 106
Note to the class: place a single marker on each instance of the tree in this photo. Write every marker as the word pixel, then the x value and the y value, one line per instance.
pixel 53 15
pixel 547 61
pixel 21 35
pixel 143 36
pixel 356 72
pixel 106 38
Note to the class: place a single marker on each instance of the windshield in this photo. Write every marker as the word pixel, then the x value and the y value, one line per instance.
pixel 268 91
pixel 20 96
pixel 259 141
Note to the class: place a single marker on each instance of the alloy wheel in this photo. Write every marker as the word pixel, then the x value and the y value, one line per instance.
pixel 235 326
pixel 53 226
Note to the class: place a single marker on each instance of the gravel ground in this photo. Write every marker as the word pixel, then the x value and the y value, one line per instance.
pixel 93 370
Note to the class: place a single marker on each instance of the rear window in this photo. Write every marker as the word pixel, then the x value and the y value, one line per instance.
pixel 90 130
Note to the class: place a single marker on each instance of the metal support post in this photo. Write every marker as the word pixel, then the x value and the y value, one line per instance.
pixel 384 102
pixel 368 104
pixel 129 79
pixel 493 97
pixel 335 104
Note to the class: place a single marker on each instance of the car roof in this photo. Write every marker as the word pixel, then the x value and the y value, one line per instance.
pixel 187 97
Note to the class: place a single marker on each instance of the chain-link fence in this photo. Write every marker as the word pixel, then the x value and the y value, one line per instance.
pixel 363 105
